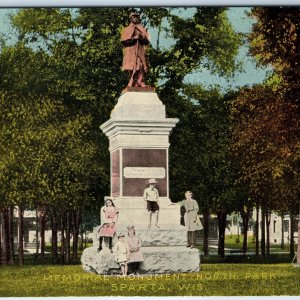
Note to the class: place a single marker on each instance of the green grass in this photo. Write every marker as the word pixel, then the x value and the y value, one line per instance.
pixel 231 242
pixel 247 259
pixel 214 279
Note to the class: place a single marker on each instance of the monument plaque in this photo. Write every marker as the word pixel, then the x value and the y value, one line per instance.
pixel 143 172
pixel 145 159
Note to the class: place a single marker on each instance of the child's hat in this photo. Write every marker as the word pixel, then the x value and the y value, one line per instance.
pixel 106 198
pixel 152 181
pixel 130 227
pixel 121 234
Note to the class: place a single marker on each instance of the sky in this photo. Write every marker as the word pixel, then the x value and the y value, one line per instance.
pixel 251 74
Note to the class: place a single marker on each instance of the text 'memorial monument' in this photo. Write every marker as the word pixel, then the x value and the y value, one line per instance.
pixel 138 132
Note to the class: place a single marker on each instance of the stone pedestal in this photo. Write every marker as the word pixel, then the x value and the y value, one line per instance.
pixel 157 260
pixel 138 133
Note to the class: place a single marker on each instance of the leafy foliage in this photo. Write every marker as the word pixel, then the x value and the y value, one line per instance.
pixel 275 41
pixel 67 67
pixel 266 134
pixel 46 154
pixel 203 135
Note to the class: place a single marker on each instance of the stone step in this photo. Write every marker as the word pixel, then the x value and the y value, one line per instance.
pixel 135 210
pixel 166 235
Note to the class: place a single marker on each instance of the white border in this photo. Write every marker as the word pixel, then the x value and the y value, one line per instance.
pixel 147 3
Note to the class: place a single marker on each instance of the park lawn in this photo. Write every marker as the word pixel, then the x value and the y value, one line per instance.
pixel 231 242
pixel 214 279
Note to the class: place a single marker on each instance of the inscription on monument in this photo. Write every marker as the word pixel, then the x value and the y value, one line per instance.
pixel 144 172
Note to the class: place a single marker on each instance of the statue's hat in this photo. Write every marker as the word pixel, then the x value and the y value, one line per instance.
pixel 134 14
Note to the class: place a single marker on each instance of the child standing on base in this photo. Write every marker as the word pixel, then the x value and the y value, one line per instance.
pixel 121 253
pixel 151 197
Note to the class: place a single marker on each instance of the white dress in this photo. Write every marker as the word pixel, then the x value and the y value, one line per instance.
pixel 121 252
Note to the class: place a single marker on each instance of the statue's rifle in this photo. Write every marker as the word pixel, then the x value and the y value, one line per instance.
pixel 135 63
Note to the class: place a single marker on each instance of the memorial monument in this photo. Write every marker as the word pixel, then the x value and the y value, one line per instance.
pixel 138 133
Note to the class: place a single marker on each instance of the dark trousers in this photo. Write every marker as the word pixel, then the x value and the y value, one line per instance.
pixel 133 267
pixel 101 240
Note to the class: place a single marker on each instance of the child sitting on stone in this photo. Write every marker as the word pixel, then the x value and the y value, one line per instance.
pixel 121 253
pixel 135 255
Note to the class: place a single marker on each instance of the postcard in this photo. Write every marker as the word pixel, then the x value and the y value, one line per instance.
pixel 149 150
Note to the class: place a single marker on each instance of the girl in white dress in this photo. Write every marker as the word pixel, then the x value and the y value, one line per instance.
pixel 121 253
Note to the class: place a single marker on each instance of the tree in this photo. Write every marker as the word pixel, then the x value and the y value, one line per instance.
pixel 47 160
pixel 275 41
pixel 76 55
pixel 84 44
pixel 204 134
pixel 266 139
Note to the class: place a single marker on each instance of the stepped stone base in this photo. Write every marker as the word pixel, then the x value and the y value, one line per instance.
pixel 138 132
pixel 157 260
pixel 134 209
pixel 166 235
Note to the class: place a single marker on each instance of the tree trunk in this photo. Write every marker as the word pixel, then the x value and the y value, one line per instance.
pixel 282 232
pixel 222 226
pixel 68 236
pixel 263 232
pixel 54 246
pixel 63 241
pixel 37 244
pixel 238 228
pixel 81 237
pixel 1 235
pixel 6 237
pixel 42 214
pixel 11 234
pixel 256 231
pixel 21 234
pixel 292 243
pixel 76 226
pixel 205 232
pixel 245 217
pixel 268 220
pixel 298 247
pixel 75 236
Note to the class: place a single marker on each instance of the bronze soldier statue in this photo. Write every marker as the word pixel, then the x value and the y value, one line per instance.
pixel 134 38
